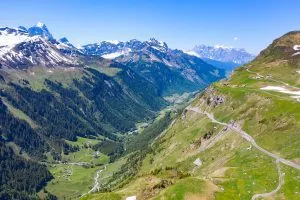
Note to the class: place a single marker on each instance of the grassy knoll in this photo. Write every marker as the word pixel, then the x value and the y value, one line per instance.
pixel 81 142
pixel 183 189
pixel 291 186
pixel 86 155
pixel 70 181
pixel 103 196
pixel 248 172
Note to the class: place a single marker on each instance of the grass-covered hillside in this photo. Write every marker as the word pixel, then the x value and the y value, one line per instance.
pixel 69 112
pixel 43 108
pixel 62 103
pixel 239 139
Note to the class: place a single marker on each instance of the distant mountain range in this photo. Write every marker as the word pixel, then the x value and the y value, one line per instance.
pixel 21 48
pixel 170 70
pixel 15 43
pixel 221 56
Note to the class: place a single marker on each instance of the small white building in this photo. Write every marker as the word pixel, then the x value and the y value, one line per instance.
pixel 198 162
pixel 131 198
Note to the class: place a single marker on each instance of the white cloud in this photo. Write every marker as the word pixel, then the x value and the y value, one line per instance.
pixel 235 38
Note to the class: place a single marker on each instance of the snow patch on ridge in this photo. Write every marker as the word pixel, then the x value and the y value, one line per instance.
pixel 219 46
pixel 296 94
pixel 161 43
pixel 158 48
pixel 116 54
pixel 113 41
pixel 131 198
pixel 11 39
pixel 296 48
pixel 297 53
pixel 192 53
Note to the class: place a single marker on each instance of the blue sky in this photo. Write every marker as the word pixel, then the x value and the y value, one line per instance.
pixel 251 24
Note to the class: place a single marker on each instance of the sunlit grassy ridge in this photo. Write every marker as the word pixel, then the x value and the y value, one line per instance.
pixel 231 168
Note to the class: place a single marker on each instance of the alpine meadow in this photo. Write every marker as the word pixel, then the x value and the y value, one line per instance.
pixel 150 100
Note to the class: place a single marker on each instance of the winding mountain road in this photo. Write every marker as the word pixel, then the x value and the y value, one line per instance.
pixel 246 136
pixel 235 127
pixel 96 186
pixel 280 183
pixel 272 79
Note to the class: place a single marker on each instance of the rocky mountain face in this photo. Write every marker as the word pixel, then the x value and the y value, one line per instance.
pixel 170 70
pixel 39 29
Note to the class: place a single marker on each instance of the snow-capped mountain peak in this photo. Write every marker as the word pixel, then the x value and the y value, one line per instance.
pixel 119 53
pixel 21 47
pixel 11 37
pixel 158 45
pixel 156 42
pixel 113 49
pixel 41 30
pixel 113 41
pixel 220 46
pixel 192 53
pixel 222 53
pixel 64 40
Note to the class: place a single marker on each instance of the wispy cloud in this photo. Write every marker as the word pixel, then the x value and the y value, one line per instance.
pixel 235 38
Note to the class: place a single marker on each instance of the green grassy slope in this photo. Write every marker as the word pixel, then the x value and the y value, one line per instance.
pixel 48 114
pixel 231 167
pixel 62 103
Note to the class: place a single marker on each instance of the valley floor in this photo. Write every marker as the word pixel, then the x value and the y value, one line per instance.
pixel 85 171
